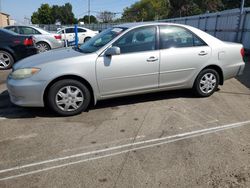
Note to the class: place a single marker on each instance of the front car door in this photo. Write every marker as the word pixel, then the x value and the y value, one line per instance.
pixel 182 53
pixel 70 34
pixel 81 35
pixel 135 69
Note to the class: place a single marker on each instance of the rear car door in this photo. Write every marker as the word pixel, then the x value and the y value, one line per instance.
pixel 135 69
pixel 182 53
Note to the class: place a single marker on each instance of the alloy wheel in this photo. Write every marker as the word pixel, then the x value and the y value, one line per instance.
pixel 5 60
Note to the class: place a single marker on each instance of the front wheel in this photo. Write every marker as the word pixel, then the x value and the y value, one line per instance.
pixel 206 83
pixel 68 97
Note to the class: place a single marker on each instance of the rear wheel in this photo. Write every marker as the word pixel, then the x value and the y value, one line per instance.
pixel 206 83
pixel 6 60
pixel 42 47
pixel 86 39
pixel 68 97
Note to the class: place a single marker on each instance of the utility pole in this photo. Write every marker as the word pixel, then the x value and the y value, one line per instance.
pixel 89 10
pixel 0 12
pixel 242 6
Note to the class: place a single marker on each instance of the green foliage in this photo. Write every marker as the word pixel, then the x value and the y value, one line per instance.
pixel 85 19
pixel 43 15
pixel 49 15
pixel 148 10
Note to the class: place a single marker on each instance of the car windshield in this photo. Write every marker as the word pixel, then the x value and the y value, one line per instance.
pixel 101 39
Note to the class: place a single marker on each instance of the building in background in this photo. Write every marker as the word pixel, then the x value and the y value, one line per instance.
pixel 4 19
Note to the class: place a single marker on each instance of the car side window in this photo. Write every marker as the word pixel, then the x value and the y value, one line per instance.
pixel 137 40
pixel 80 30
pixel 70 30
pixel 28 31
pixel 178 37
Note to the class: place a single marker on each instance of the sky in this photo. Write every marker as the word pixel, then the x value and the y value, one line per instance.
pixel 18 9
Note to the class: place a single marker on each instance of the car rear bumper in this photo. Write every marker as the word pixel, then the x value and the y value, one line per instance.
pixel 29 51
pixel 26 92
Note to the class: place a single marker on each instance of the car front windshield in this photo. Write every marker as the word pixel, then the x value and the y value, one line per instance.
pixel 101 39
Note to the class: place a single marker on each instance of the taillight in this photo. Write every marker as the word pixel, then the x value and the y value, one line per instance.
pixel 242 52
pixel 58 37
pixel 28 42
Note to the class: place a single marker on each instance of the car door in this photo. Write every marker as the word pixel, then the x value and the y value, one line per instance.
pixel 182 53
pixel 135 69
pixel 70 34
pixel 81 35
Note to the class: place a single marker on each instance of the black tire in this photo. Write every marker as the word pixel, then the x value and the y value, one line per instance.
pixel 197 88
pixel 86 39
pixel 43 47
pixel 4 63
pixel 59 86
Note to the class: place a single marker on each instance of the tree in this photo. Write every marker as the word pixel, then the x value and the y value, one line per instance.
pixel 43 15
pixel 230 4
pixel 49 15
pixel 146 10
pixel 106 16
pixel 85 19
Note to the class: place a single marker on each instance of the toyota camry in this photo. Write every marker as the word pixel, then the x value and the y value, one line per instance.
pixel 125 60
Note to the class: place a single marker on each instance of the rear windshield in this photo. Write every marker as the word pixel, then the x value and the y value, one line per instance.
pixel 8 32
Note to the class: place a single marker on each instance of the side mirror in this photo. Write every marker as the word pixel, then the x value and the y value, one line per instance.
pixel 113 51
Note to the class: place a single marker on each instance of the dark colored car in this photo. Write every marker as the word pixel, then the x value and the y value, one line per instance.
pixel 14 47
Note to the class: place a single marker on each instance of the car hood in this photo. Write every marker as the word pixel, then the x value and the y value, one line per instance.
pixel 47 57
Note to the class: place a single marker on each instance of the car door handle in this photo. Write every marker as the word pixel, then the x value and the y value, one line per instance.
pixel 152 59
pixel 203 53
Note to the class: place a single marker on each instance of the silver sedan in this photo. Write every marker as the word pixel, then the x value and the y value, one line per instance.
pixel 44 40
pixel 125 60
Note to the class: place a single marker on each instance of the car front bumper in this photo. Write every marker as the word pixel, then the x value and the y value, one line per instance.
pixel 26 92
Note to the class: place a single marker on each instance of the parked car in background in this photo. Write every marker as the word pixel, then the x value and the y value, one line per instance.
pixel 84 34
pixel 14 47
pixel 44 40
pixel 125 60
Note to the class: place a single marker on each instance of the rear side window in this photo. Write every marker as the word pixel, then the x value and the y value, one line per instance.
pixel 178 37
pixel 28 31
pixel 138 40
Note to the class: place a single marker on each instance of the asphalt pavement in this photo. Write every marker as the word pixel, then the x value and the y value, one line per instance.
pixel 168 139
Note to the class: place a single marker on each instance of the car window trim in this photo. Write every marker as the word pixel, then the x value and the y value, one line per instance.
pixel 156 41
pixel 191 32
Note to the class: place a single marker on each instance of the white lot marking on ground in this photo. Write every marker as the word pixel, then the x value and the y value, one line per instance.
pixel 21 137
pixel 2 118
pixel 164 140
pixel 105 143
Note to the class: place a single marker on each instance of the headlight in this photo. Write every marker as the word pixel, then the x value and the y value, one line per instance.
pixel 23 73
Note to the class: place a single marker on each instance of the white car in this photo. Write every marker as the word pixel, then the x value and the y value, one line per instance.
pixel 84 34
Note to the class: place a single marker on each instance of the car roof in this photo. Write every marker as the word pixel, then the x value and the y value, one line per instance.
pixel 138 24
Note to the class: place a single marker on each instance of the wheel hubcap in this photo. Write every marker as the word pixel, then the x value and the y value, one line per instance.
pixel 42 47
pixel 69 98
pixel 208 83
pixel 4 60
